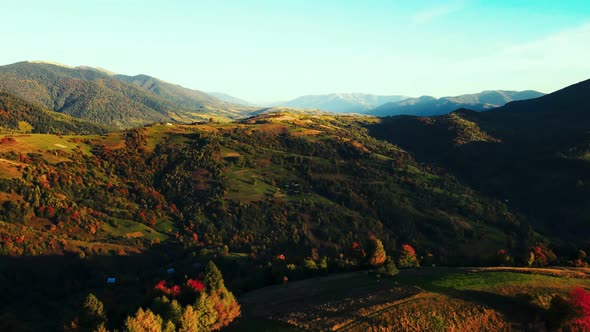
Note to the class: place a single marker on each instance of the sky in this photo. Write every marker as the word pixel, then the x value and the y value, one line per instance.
pixel 267 50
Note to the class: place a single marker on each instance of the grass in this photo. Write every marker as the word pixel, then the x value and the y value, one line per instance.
pixel 246 185
pixel 433 299
pixel 36 142
pixel 129 228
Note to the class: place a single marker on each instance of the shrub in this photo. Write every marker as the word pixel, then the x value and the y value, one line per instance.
pixel 407 258
pixel 388 269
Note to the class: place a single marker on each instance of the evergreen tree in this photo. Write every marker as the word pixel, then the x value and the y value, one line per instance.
pixel 213 279
pixel 92 315
pixel 388 269
pixel 168 310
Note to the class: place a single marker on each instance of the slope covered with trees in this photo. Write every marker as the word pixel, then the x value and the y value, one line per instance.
pixel 274 198
pixel 101 97
pixel 532 154
pixel 18 116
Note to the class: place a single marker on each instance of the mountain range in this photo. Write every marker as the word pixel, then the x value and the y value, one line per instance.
pixel 427 105
pixel 341 102
pixel 120 101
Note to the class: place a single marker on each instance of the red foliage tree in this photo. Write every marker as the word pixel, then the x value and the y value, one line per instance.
pixel 170 291
pixel 196 285
pixel 580 300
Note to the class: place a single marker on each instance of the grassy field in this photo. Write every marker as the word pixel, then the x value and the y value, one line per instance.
pixel 429 299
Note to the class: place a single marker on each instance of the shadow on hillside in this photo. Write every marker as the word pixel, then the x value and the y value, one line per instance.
pixel 41 293
pixel 516 309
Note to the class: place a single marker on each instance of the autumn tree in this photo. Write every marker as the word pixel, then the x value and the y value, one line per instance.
pixel 407 257
pixel 144 321
pixel 224 302
pixel 378 254
pixel 580 300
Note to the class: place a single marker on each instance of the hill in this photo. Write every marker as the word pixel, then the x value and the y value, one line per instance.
pixel 18 116
pixel 426 105
pixel 341 102
pixel 531 153
pixel 430 299
pixel 98 96
pixel 275 196
pixel 230 99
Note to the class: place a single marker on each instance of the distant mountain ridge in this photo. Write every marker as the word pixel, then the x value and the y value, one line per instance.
pixel 230 99
pixel 427 105
pixel 341 102
pixel 100 96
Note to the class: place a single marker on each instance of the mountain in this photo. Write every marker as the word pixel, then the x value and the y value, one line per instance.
pixel 102 97
pixel 230 99
pixel 341 102
pixel 533 153
pixel 426 105
pixel 17 116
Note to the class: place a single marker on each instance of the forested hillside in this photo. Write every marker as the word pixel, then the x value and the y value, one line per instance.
pixel 113 100
pixel 276 196
pixel 532 154
pixel 19 116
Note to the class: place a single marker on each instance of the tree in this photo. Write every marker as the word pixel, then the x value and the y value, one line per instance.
pixel 226 306
pixel 168 310
pixel 213 278
pixel 224 302
pixel 580 299
pixel 378 254
pixel 92 315
pixel 144 321
pixel 407 258
pixel 189 321
pixel 205 309
pixel 388 269
pixel 571 313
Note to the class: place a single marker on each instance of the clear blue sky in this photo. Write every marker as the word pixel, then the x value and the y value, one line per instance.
pixel 275 50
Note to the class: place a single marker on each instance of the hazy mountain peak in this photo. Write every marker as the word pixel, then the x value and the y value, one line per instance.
pixel 98 69
pixel 427 105
pixel 50 63
pixel 341 102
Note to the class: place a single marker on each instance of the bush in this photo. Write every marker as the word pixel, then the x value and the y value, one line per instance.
pixel 407 258
pixel 388 269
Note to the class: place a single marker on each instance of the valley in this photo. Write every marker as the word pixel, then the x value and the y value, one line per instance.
pixel 313 212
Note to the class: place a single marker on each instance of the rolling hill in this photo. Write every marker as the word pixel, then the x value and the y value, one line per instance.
pixel 533 153
pixel 18 116
pixel 102 97
pixel 341 102
pixel 426 105
pixel 230 99
pixel 275 188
